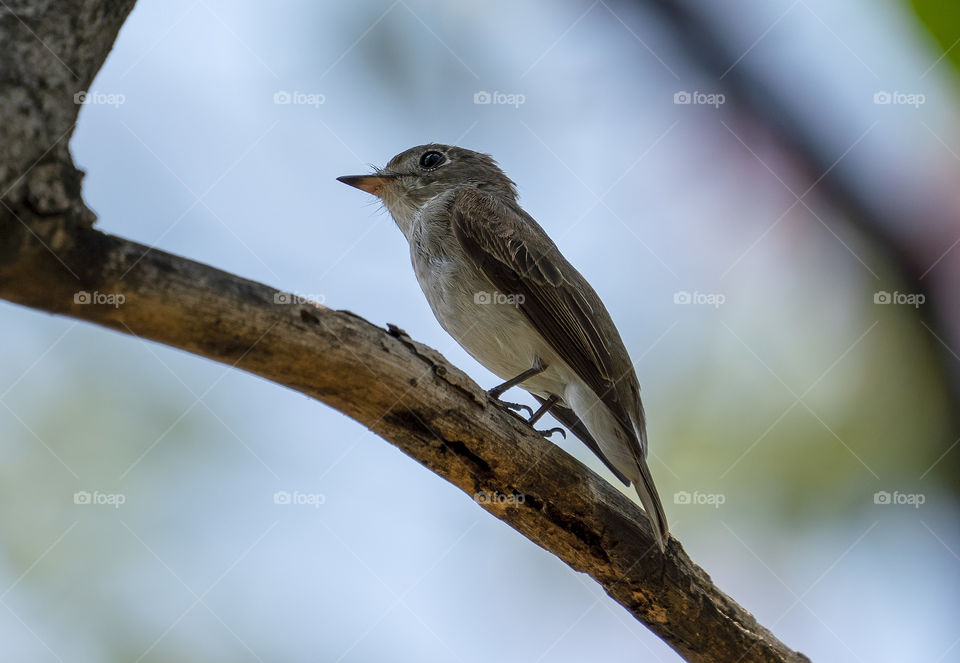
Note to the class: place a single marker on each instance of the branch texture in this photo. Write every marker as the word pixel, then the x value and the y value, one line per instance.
pixel 408 394
pixel 404 391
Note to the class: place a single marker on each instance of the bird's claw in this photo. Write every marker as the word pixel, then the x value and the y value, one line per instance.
pixel 550 431
pixel 514 408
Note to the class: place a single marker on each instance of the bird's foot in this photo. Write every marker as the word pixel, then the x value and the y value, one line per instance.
pixel 550 431
pixel 516 408
pixel 512 408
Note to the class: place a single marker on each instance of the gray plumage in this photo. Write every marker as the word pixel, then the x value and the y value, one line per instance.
pixel 502 289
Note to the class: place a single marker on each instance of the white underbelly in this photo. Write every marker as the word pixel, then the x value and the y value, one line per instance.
pixel 499 335
pixel 490 326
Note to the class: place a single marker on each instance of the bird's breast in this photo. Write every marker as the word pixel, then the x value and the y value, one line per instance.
pixel 488 324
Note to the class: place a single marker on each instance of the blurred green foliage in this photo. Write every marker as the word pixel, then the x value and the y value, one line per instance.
pixel 942 19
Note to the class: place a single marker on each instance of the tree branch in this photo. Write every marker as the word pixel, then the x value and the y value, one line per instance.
pixel 51 259
pixel 408 394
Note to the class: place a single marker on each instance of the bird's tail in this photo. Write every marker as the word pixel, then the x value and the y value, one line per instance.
pixel 651 503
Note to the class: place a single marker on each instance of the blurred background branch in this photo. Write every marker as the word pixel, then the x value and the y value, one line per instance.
pixel 907 235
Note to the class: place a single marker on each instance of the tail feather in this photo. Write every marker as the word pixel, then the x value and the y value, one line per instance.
pixel 620 444
pixel 651 504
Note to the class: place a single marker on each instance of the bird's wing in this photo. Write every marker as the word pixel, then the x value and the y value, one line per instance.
pixel 518 257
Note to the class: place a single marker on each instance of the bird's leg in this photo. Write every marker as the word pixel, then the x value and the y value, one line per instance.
pixel 547 404
pixel 544 408
pixel 537 368
pixel 494 393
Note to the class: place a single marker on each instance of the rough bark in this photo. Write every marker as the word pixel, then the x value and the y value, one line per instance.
pixel 404 391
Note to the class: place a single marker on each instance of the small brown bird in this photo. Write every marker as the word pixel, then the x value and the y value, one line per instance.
pixel 502 289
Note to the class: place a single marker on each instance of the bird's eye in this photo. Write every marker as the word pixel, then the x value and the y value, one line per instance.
pixel 431 159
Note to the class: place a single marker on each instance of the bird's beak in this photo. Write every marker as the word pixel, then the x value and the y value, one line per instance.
pixel 369 183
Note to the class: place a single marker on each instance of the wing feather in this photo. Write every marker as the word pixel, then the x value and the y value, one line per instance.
pixel 518 257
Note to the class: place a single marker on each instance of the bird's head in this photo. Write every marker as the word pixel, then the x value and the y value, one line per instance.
pixel 416 175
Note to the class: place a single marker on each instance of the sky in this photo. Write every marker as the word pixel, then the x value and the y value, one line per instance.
pixel 781 396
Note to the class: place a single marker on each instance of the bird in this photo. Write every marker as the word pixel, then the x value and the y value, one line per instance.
pixel 502 289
